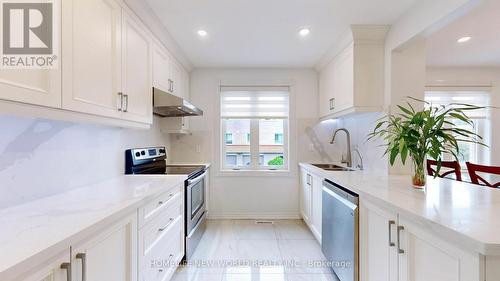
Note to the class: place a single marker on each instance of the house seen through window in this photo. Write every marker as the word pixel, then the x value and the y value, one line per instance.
pixel 254 125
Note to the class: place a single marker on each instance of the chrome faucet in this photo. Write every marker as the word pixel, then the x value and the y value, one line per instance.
pixel 347 161
pixel 360 165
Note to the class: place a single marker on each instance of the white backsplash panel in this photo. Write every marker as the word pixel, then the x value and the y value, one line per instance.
pixel 40 158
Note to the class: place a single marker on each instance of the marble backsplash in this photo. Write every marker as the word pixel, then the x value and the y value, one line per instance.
pixel 40 158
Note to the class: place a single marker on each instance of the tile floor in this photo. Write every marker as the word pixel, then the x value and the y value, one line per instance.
pixel 241 250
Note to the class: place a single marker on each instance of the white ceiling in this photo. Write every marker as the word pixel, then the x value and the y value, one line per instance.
pixel 264 33
pixel 483 25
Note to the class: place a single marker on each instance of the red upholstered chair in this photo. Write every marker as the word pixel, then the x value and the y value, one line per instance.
pixel 454 165
pixel 477 179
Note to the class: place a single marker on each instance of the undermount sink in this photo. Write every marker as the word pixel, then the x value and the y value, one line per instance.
pixel 332 167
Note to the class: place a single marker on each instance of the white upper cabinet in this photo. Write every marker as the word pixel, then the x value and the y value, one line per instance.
pixel 176 77
pixel 136 70
pixel 39 87
pixel 161 68
pixel 354 80
pixel 168 74
pixel 108 67
pixel 92 56
pixel 33 86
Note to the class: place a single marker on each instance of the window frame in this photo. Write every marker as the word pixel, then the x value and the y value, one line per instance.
pixel 254 147
pixel 289 153
pixel 480 153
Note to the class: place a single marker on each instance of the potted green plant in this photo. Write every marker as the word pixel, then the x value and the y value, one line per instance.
pixel 426 133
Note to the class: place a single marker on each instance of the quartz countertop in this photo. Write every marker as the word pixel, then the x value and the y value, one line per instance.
pixel 462 213
pixel 39 229
pixel 207 165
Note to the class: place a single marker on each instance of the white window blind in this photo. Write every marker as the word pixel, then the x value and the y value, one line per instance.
pixel 248 103
pixel 439 98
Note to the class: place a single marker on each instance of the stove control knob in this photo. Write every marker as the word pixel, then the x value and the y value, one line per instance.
pixel 143 152
pixel 162 150
pixel 137 154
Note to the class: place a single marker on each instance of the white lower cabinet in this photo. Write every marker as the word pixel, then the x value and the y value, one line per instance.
pixel 311 186
pixel 377 244
pixel 425 257
pixel 110 255
pixel 161 236
pixel 57 269
pixel 305 195
pixel 393 248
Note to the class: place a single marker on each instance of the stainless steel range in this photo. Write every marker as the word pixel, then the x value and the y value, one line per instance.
pixel 152 161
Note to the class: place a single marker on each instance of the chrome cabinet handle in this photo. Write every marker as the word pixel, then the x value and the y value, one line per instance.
pixel 400 228
pixel 166 226
pixel 83 258
pixel 119 102
pixel 391 223
pixel 308 179
pixel 171 85
pixel 125 102
pixel 332 103
pixel 67 266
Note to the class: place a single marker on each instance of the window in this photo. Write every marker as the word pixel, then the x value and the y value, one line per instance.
pixel 257 120
pixel 229 138
pixel 469 152
pixel 278 138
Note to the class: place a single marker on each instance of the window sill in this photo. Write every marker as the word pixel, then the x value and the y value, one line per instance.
pixel 255 173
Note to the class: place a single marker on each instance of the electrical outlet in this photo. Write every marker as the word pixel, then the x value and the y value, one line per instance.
pixel 311 147
pixel 198 148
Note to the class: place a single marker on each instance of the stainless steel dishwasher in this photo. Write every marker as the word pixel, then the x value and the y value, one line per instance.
pixel 340 230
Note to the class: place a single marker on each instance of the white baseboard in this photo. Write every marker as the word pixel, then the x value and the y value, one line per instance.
pixel 250 216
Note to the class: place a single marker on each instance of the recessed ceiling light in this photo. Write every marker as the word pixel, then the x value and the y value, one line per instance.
pixel 202 33
pixel 464 39
pixel 304 32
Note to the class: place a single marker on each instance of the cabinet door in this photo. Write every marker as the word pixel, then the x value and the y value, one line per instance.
pixel 161 68
pixel 110 255
pixel 326 91
pixel 176 76
pixel 316 206
pixel 52 270
pixel 39 87
pixel 425 257
pixel 33 86
pixel 137 70
pixel 305 195
pixel 378 252
pixel 185 83
pixel 343 81
pixel 92 56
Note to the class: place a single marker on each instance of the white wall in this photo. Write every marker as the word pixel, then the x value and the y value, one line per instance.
pixel 250 196
pixel 471 77
pixel 39 157
pixel 405 52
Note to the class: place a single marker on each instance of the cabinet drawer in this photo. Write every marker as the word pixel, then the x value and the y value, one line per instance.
pixel 160 227
pixel 161 261
pixel 162 202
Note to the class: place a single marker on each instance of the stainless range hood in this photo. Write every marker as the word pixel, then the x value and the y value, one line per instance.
pixel 168 105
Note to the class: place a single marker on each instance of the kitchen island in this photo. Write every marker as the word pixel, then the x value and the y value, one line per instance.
pixel 448 231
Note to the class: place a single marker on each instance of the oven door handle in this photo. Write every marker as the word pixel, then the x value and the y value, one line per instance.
pixel 197 179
